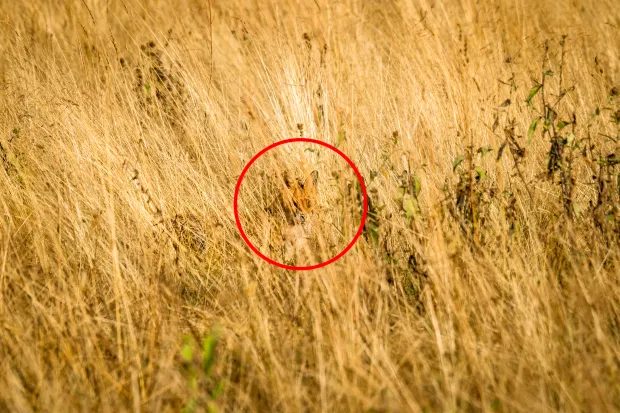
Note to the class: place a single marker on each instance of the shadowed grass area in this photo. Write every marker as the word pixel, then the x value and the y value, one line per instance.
pixel 487 277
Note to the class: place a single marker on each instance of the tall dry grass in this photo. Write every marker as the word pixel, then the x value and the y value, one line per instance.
pixel 482 282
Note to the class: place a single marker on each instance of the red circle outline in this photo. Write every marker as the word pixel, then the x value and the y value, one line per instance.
pixel 308 267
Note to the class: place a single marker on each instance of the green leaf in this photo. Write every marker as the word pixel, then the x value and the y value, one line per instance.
pixel 212 407
pixel 208 352
pixel 562 124
pixel 548 72
pixel 410 206
pixel 532 128
pixel 457 161
pixel 483 150
pixel 187 351
pixel 533 92
pixel 371 231
pixel 417 186
pixel 217 390
pixel 190 407
pixel 193 382
pixel 480 173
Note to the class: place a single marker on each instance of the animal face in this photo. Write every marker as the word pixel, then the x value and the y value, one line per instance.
pixel 299 198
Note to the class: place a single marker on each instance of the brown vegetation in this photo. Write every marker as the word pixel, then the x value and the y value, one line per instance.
pixel 487 278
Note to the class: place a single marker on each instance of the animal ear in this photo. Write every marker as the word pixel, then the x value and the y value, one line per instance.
pixel 287 179
pixel 311 180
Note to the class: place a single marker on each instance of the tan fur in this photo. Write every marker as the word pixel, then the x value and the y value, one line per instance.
pixel 298 199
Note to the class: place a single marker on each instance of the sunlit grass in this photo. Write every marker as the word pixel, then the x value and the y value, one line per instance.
pixel 487 275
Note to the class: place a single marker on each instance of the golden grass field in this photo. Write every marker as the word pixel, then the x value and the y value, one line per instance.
pixel 488 274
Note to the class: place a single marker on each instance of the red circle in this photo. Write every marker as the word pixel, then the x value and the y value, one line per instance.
pixel 308 267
